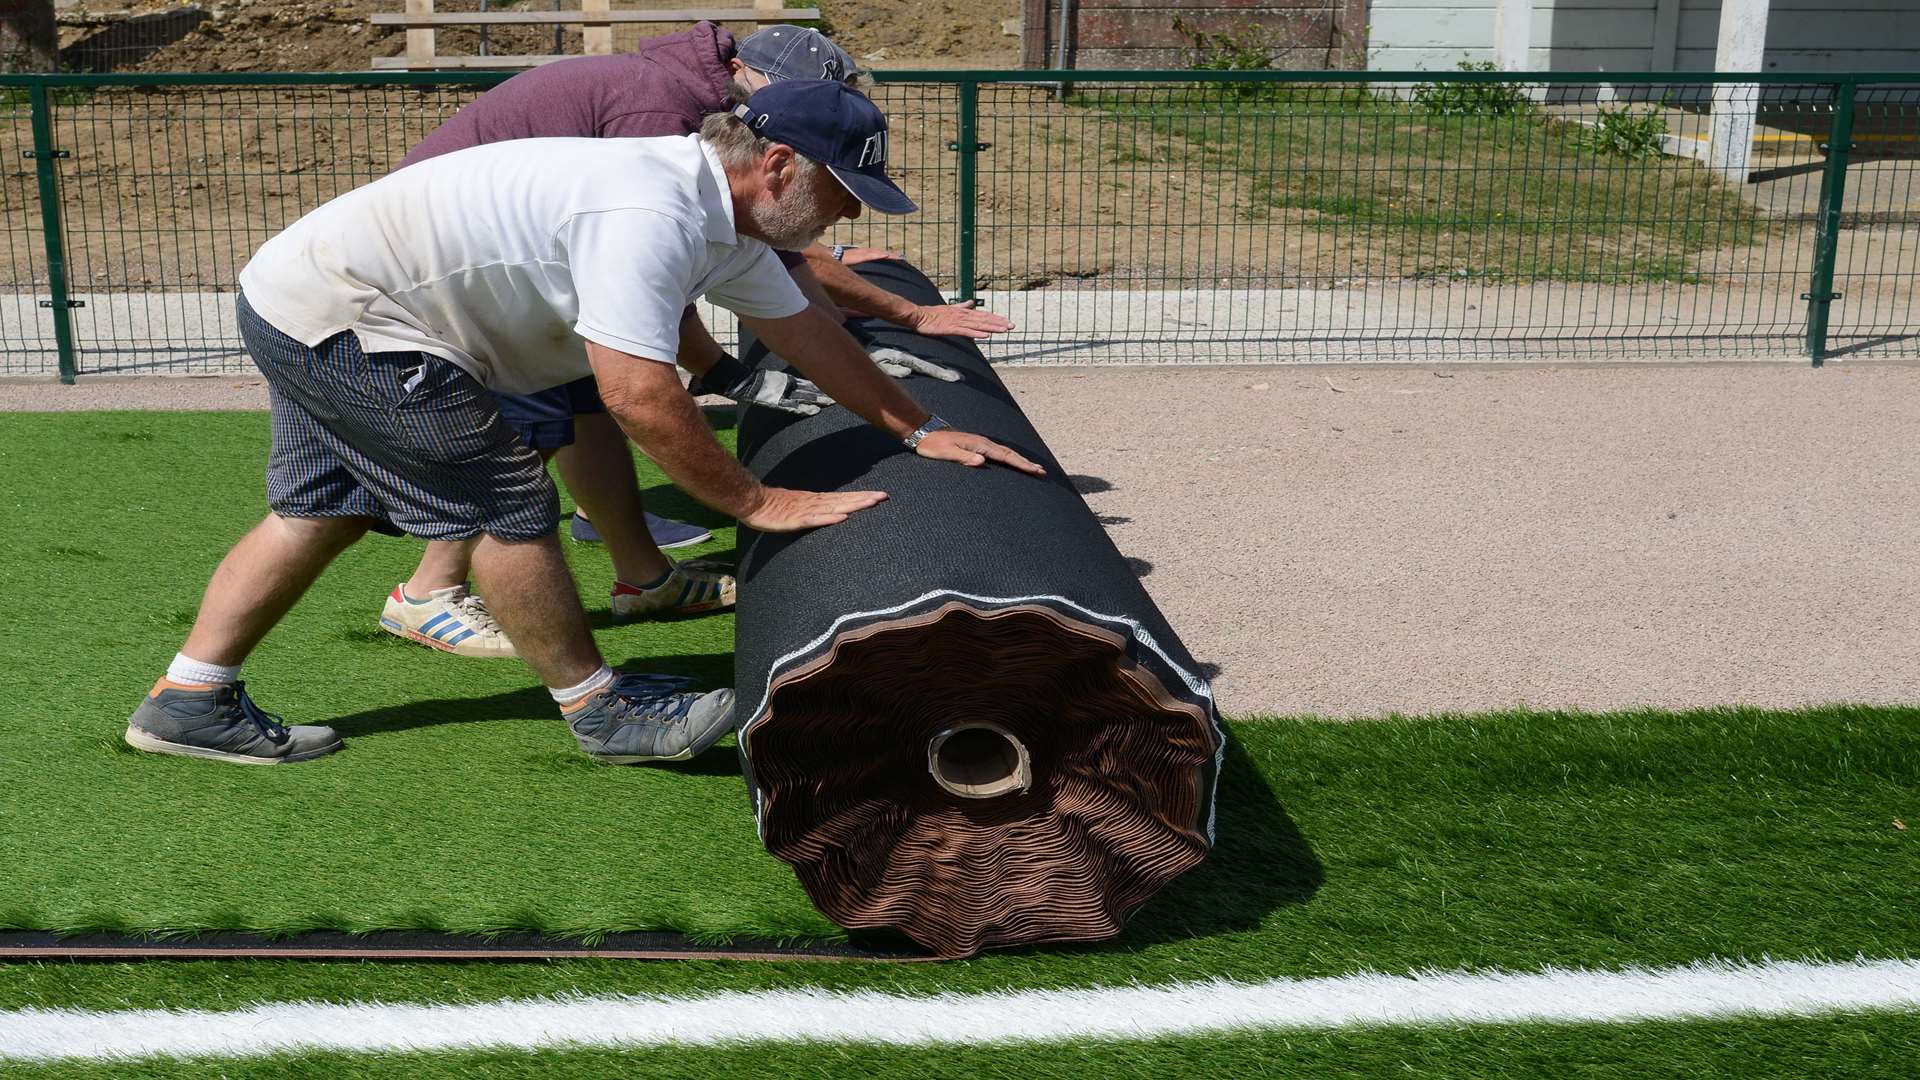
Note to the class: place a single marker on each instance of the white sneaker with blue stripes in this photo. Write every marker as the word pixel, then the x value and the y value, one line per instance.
pixel 450 619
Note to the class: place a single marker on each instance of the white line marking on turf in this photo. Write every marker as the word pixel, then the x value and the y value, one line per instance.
pixel 1703 990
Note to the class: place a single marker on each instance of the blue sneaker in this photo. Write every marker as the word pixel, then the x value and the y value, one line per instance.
pixel 641 718
pixel 667 533
pixel 221 723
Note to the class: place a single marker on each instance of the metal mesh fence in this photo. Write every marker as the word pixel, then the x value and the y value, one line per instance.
pixel 1146 218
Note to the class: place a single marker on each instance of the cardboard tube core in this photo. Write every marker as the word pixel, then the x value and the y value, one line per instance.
pixel 979 761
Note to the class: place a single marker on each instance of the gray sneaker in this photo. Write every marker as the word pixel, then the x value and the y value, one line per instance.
pixel 224 724
pixel 650 718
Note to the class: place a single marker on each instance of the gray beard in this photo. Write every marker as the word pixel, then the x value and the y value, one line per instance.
pixel 791 223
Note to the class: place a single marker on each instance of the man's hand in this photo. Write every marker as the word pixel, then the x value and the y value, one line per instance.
pixel 964 319
pixel 902 364
pixel 787 510
pixel 853 256
pixel 970 449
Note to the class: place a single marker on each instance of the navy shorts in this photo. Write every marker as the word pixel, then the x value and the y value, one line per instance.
pixel 402 437
pixel 544 418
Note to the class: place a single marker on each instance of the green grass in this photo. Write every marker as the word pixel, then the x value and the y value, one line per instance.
pixel 1870 1045
pixel 1511 840
pixel 1512 198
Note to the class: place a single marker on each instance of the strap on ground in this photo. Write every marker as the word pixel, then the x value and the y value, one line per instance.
pixel 421 945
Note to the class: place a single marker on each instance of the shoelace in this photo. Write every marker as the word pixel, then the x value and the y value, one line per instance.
pixel 646 693
pixel 273 727
pixel 479 619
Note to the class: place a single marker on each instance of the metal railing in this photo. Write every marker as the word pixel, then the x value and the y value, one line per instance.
pixel 1136 217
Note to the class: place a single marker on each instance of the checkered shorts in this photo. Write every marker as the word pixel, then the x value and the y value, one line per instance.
pixel 404 437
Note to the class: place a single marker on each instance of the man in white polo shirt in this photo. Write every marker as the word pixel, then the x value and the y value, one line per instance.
pixel 382 319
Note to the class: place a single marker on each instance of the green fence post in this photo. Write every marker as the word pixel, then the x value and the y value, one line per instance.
pixel 43 155
pixel 1826 239
pixel 968 145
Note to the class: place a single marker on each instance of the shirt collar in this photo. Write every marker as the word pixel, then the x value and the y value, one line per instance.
pixel 716 198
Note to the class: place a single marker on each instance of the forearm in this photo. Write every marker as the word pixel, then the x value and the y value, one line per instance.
pixel 850 290
pixel 698 351
pixel 645 399
pixel 824 352
pixel 811 288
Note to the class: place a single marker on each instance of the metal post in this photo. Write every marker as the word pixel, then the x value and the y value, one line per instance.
pixel 43 154
pixel 1826 243
pixel 968 146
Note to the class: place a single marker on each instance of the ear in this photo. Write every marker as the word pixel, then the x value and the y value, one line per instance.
pixel 778 165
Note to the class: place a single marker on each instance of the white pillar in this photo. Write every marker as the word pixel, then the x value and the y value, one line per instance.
pixel 1742 47
pixel 1512 34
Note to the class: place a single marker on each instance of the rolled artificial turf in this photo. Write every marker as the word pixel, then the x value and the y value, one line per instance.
pixel 1510 840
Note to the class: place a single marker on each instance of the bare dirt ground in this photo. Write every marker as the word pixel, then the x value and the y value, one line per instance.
pixel 1353 541
pixel 334 35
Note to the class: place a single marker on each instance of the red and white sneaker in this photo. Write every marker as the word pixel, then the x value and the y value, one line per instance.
pixel 692 588
pixel 450 619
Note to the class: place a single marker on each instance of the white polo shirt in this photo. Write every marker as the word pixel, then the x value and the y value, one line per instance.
pixel 504 257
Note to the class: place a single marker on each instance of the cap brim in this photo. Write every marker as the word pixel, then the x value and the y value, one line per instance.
pixel 877 192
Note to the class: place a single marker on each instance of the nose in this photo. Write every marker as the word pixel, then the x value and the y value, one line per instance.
pixel 852 208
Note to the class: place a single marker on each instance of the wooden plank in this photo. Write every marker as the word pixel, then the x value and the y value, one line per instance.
pixel 569 18
pixel 444 63
pixel 596 34
pixel 1350 36
pixel 420 42
pixel 1036 33
pixel 769 12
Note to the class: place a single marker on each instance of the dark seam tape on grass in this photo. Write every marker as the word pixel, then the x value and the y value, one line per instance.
pixel 961 716
pixel 416 945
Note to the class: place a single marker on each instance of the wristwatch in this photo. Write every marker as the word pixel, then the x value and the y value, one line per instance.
pixel 932 425
pixel 838 251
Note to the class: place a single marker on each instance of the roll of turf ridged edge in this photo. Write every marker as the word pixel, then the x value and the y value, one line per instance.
pixel 962 717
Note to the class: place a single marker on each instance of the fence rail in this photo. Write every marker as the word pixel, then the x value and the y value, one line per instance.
pixel 1154 216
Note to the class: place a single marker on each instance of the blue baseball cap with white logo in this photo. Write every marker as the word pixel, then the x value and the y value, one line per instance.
pixel 835 126
pixel 795 52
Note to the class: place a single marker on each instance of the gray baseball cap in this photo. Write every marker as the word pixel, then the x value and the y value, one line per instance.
pixel 795 52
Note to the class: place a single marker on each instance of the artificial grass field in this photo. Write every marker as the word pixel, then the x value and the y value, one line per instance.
pixel 1512 841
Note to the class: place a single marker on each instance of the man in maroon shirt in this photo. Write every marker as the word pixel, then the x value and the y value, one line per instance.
pixel 665 87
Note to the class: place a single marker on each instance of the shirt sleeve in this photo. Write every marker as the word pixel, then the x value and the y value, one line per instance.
pixel 762 289
pixel 632 272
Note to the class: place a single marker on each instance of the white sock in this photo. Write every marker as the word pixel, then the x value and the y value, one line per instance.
pixel 599 680
pixel 185 669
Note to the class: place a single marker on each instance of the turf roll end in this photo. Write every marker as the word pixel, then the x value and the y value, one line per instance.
pixel 1042 803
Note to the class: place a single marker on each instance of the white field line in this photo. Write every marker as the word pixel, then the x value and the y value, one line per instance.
pixel 1704 990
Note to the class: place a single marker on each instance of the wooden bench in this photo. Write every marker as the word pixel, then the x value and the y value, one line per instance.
pixel 594 17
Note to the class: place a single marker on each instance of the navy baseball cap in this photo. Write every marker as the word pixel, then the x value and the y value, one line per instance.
pixel 835 126
pixel 794 52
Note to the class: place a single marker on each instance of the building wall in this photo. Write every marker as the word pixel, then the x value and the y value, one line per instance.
pixel 1309 35
pixel 1622 35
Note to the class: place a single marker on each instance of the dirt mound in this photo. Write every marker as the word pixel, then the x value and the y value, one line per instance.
pixel 330 35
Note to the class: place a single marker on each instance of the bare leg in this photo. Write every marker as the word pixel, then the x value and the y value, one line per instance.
pixel 260 580
pixel 598 469
pixel 529 589
pixel 447 562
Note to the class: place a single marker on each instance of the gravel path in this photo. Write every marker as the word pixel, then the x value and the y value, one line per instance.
pixel 1360 540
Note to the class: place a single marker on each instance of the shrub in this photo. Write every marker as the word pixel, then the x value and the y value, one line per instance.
pixel 1473 98
pixel 1623 133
